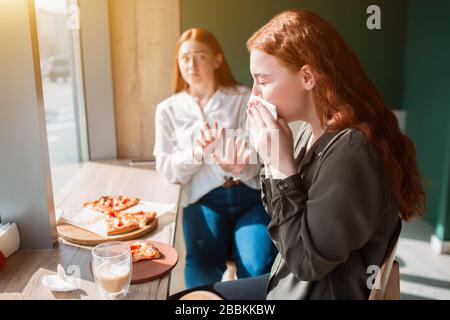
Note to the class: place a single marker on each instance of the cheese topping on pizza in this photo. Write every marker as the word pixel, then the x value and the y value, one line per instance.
pixel 118 225
pixel 121 222
pixel 105 204
pixel 144 250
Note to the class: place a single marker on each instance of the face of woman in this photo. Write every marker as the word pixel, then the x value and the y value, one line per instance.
pixel 288 90
pixel 197 62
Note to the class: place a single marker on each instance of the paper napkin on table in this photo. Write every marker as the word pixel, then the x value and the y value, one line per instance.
pixel 95 222
pixel 60 281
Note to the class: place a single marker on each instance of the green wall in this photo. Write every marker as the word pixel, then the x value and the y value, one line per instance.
pixel 408 59
pixel 427 101
pixel 380 51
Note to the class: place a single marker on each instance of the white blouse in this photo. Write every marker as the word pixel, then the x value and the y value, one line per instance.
pixel 177 119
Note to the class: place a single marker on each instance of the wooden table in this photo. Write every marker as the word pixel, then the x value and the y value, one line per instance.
pixel 20 278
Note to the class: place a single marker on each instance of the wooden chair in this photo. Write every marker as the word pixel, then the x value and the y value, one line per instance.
pixel 230 272
pixel 387 282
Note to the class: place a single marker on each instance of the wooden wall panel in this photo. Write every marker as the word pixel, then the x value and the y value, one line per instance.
pixel 143 39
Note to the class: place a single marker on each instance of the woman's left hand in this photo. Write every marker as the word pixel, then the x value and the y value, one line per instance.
pixel 270 135
pixel 236 157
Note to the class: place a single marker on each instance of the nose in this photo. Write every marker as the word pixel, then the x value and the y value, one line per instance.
pixel 255 90
pixel 191 63
pixel 194 63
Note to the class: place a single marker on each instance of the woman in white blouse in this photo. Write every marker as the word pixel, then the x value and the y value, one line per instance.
pixel 222 208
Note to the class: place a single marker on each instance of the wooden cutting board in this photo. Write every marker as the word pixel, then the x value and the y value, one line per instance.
pixel 80 236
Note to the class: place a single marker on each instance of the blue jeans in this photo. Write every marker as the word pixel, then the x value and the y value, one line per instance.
pixel 224 222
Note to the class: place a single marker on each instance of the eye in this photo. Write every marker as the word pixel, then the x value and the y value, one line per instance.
pixel 262 81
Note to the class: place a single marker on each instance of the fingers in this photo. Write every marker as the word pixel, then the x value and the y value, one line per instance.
pixel 265 115
pixel 207 131
pixel 200 142
pixel 251 120
pixel 235 152
pixel 240 147
pixel 254 115
pixel 230 150
pixel 210 134
pixel 218 131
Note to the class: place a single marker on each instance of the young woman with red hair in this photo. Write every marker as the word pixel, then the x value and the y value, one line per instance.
pixel 338 191
pixel 222 209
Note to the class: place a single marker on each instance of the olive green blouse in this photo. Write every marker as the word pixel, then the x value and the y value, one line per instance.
pixel 332 220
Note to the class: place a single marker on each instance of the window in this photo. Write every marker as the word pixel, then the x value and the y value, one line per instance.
pixel 61 70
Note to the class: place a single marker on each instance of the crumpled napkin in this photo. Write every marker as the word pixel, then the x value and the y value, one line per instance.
pixel 60 281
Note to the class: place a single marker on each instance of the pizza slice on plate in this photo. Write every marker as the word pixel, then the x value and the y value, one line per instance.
pixel 144 250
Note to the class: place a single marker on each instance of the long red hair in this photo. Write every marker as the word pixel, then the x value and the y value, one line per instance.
pixel 344 95
pixel 223 75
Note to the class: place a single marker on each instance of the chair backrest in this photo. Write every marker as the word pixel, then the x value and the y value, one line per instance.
pixel 200 295
pixel 387 281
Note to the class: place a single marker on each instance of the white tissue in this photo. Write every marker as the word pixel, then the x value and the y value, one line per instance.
pixel 9 239
pixel 60 281
pixel 270 107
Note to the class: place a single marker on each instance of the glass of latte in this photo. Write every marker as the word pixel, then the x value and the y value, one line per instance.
pixel 112 265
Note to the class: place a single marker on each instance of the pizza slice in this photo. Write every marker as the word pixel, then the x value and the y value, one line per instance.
pixel 141 217
pixel 101 204
pixel 119 225
pixel 106 204
pixel 121 203
pixel 144 250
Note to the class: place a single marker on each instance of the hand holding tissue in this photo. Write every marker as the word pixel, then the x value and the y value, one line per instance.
pixel 269 106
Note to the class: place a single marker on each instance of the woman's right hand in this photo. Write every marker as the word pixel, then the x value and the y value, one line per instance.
pixel 208 138
pixel 272 140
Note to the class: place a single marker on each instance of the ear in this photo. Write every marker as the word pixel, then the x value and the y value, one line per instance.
pixel 218 61
pixel 307 77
